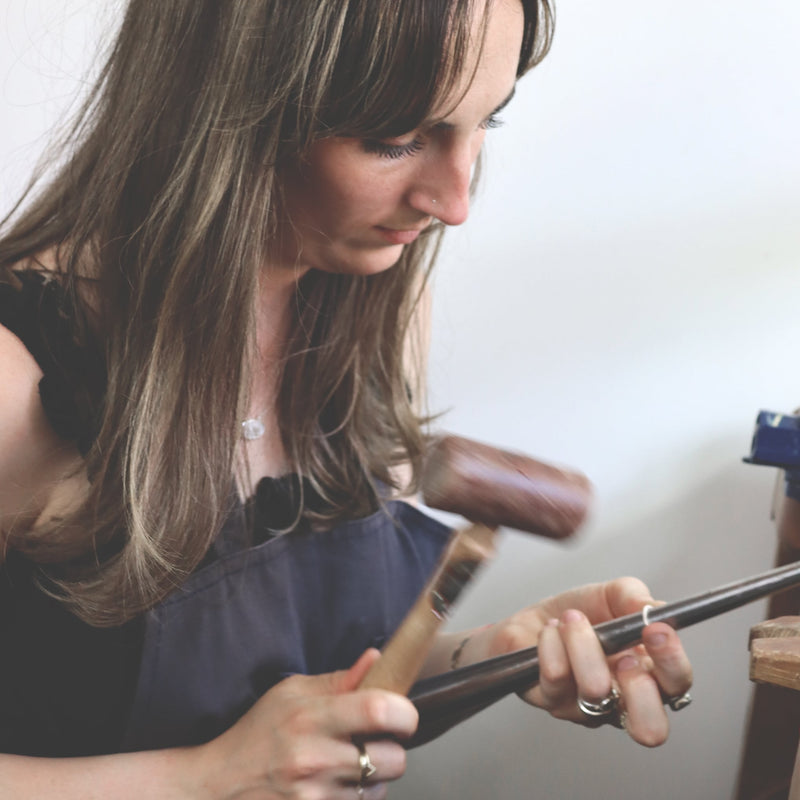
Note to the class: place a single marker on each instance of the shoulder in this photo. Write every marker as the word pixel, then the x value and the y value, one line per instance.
pixel 21 412
pixel 33 458
pixel 53 324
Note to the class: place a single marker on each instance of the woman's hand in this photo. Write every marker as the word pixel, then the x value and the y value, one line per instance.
pixel 297 741
pixel 573 665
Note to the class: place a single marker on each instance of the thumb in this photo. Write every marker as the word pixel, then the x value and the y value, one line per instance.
pixel 348 680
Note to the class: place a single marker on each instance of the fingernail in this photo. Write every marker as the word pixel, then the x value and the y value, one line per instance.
pixel 626 663
pixel 657 639
pixel 572 615
pixel 553 623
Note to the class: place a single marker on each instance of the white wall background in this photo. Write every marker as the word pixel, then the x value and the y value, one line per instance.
pixel 623 301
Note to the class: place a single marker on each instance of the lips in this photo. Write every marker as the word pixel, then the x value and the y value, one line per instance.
pixel 395 236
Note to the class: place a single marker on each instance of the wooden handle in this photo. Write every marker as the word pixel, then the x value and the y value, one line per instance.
pixel 404 655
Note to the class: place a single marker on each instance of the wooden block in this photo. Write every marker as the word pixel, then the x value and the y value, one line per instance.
pixel 778 628
pixel 776 661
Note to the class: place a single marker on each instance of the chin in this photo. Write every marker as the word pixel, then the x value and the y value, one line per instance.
pixel 363 262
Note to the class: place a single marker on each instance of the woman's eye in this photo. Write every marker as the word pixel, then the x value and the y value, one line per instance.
pixel 386 150
pixel 492 121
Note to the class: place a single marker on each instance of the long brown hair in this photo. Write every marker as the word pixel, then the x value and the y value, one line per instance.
pixel 168 202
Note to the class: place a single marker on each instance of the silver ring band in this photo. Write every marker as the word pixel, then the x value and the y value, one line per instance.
pixel 368 769
pixel 602 709
pixel 679 701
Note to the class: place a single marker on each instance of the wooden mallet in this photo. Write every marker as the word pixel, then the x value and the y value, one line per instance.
pixel 491 488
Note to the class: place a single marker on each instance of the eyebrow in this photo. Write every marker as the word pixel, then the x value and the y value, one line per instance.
pixel 442 125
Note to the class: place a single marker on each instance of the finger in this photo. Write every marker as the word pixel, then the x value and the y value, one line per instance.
pixel 377 791
pixel 369 714
pixel 333 682
pixel 626 596
pixel 556 686
pixel 670 664
pixel 586 656
pixel 388 758
pixel 350 679
pixel 339 763
pixel 645 719
pixel 601 601
pixel 351 791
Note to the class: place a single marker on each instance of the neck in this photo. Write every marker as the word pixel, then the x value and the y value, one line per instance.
pixel 276 292
pixel 264 455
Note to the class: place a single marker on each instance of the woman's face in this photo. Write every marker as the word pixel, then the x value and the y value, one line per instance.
pixel 356 203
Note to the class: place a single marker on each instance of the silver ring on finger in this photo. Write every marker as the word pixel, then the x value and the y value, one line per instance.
pixel 607 706
pixel 679 701
pixel 366 767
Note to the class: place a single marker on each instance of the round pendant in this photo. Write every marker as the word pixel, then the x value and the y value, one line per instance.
pixel 252 428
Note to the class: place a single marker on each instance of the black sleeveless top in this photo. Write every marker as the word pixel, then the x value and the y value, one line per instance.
pixel 259 607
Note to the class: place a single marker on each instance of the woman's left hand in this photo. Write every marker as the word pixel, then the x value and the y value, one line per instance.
pixel 574 667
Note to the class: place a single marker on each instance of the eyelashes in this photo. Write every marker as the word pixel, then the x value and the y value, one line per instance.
pixel 411 148
pixel 492 121
pixel 385 150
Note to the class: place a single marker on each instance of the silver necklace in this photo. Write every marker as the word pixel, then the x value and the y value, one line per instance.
pixel 253 427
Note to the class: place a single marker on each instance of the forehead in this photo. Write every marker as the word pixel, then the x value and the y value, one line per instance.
pixel 390 79
pixel 492 59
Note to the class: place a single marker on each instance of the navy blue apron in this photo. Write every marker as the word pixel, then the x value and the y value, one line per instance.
pixel 301 603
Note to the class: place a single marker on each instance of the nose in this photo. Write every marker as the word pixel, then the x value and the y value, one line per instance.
pixel 442 186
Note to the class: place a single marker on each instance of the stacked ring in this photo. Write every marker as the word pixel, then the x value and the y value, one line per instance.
pixel 679 701
pixel 368 769
pixel 602 709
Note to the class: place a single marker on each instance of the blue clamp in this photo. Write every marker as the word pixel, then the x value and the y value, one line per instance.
pixel 776 441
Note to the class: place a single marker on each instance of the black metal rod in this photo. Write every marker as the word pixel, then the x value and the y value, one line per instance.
pixel 445 700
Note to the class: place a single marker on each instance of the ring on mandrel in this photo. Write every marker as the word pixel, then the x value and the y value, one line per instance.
pixel 602 709
pixel 679 701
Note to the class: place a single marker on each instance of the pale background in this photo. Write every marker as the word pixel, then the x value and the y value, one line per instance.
pixel 623 301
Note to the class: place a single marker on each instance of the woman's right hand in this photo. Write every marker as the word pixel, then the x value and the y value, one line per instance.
pixel 297 741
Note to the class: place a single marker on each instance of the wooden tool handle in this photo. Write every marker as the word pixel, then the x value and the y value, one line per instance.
pixel 404 655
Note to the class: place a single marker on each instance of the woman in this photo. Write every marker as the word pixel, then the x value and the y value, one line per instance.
pixel 210 320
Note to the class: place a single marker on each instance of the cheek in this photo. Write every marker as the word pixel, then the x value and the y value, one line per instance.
pixel 340 199
pixel 342 187
pixel 343 180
